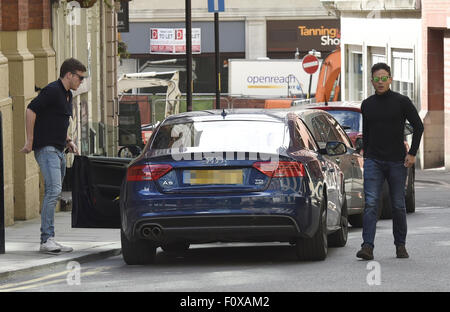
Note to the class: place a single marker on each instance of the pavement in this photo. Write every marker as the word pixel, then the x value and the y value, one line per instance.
pixel 22 242
pixel 22 238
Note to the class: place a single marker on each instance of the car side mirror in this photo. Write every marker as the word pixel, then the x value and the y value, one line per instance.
pixel 334 149
pixel 358 144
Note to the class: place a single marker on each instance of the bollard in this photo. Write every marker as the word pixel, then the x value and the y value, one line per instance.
pixel 2 202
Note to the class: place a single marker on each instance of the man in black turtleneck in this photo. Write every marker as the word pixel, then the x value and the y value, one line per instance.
pixel 385 157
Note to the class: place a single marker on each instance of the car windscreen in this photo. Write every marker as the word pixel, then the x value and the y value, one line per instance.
pixel 348 118
pixel 221 136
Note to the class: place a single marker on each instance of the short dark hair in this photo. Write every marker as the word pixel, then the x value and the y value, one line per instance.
pixel 71 65
pixel 379 66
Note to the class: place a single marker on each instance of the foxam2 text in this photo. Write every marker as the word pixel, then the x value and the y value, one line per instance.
pixel 226 302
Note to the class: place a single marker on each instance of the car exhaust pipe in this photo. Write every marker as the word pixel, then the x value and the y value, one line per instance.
pixel 146 232
pixel 157 231
pixel 151 232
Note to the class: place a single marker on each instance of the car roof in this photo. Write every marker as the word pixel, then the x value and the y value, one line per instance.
pixel 349 105
pixel 250 114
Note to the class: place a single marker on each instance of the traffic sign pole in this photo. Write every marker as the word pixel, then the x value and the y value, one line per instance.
pixel 309 88
pixel 188 57
pixel 310 65
pixel 217 6
pixel 217 48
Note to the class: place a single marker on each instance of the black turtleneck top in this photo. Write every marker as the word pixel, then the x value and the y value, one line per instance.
pixel 384 118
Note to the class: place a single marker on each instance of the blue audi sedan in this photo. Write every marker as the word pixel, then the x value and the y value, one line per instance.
pixel 218 176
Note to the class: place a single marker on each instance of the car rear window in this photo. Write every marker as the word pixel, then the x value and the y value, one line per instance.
pixel 348 118
pixel 221 136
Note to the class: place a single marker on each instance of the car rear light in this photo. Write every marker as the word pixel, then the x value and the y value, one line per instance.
pixel 281 169
pixel 147 172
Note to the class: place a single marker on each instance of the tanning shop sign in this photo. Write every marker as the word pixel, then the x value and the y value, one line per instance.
pixel 285 36
pixel 173 41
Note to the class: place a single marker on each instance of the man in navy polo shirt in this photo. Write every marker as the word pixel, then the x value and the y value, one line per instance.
pixel 47 121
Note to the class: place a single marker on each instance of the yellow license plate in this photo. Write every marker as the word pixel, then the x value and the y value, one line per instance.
pixel 231 176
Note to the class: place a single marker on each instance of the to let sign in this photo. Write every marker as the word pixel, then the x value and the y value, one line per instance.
pixel 216 6
pixel 173 40
pixel 310 64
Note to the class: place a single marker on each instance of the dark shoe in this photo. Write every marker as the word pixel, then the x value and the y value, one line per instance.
pixel 401 252
pixel 365 253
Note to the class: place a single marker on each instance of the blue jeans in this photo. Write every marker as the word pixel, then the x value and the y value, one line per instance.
pixel 53 167
pixel 375 173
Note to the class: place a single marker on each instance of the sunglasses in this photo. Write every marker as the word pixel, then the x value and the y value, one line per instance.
pixel 79 76
pixel 382 78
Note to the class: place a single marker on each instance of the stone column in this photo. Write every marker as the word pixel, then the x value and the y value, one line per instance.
pixel 94 57
pixel 21 89
pixel 44 56
pixel 39 44
pixel 111 80
pixel 6 110
pixel 256 38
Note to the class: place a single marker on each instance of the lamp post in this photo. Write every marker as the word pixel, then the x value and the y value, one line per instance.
pixel 188 56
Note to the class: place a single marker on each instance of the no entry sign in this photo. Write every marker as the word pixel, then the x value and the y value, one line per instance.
pixel 310 64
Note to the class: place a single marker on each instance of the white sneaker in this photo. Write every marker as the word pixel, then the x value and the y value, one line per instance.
pixel 52 247
pixel 63 248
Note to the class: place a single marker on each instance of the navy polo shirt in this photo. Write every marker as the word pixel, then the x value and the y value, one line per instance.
pixel 53 108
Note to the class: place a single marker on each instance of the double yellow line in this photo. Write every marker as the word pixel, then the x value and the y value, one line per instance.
pixel 43 281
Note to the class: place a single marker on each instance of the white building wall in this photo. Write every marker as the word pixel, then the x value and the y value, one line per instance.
pixel 254 13
pixel 385 33
pixel 174 10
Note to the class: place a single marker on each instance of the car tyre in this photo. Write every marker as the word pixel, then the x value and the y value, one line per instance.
pixel 356 220
pixel 137 252
pixel 339 238
pixel 316 247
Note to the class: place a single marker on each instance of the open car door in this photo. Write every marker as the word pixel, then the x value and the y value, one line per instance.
pixel 95 191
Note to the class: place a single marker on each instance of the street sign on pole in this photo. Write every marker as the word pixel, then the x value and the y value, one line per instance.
pixel 216 6
pixel 188 56
pixel 217 52
pixel 310 64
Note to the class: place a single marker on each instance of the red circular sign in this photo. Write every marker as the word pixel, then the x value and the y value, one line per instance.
pixel 310 64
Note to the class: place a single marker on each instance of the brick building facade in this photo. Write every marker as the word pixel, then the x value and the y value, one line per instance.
pixel 436 82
